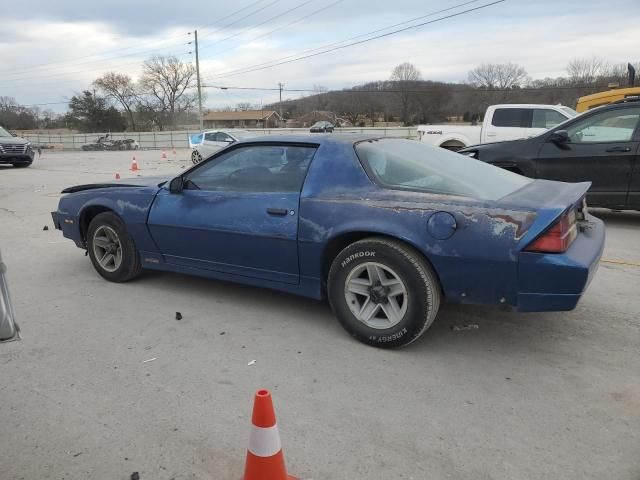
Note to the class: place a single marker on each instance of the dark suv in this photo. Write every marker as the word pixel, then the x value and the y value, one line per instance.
pixel 15 150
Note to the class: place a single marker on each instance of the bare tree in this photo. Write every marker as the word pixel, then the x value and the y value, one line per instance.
pixel 497 75
pixel 244 106
pixel 120 88
pixel 166 81
pixel 585 71
pixel 403 81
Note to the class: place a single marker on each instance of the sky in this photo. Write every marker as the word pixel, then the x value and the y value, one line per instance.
pixel 51 50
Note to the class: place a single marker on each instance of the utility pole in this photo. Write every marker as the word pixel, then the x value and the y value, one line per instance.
pixel 280 86
pixel 198 79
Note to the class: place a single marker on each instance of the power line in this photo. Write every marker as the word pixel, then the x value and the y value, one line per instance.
pixel 367 40
pixel 28 80
pixel 73 63
pixel 210 44
pixel 239 70
pixel 228 16
pixel 246 16
pixel 460 87
pixel 298 20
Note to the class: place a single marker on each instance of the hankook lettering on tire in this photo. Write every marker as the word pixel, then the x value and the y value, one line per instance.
pixel 355 256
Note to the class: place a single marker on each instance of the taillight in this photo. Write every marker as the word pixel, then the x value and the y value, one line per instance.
pixel 558 238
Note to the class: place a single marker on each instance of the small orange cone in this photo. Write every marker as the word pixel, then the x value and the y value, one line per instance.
pixel 164 154
pixel 117 176
pixel 134 165
pixel 265 460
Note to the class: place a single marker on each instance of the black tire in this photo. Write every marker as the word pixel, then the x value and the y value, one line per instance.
pixel 22 165
pixel 130 266
pixel 196 157
pixel 423 293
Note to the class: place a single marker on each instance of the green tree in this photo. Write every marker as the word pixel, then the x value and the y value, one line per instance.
pixel 91 113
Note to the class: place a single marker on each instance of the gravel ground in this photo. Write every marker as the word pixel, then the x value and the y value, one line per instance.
pixel 523 396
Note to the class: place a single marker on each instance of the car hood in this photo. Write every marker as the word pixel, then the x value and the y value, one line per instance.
pixel 125 182
pixel 13 140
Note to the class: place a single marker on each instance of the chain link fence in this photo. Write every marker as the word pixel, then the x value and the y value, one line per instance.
pixel 180 139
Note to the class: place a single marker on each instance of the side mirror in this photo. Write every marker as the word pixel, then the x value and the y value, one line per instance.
pixel 176 185
pixel 229 140
pixel 559 137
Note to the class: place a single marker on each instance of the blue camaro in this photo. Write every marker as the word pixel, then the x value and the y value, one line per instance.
pixel 384 228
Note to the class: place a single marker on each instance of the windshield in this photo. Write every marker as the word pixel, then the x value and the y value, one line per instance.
pixel 569 111
pixel 412 165
pixel 4 133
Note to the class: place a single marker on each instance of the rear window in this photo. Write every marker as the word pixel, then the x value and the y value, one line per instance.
pixel 410 165
pixel 511 117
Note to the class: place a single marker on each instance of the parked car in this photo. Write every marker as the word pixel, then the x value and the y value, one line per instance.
pixel 205 144
pixel 322 127
pixel 385 228
pixel 15 150
pixel 600 146
pixel 501 122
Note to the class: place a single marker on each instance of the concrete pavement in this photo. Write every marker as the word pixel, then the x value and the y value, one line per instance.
pixel 524 396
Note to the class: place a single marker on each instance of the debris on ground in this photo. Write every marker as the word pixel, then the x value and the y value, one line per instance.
pixel 252 362
pixel 178 316
pixel 150 360
pixel 46 227
pixel 77 454
pixel 222 333
pixel 135 476
pixel 470 326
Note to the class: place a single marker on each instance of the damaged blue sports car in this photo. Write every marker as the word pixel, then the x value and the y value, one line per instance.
pixel 386 229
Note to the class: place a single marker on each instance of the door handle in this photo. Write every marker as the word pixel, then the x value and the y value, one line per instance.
pixel 618 149
pixel 277 211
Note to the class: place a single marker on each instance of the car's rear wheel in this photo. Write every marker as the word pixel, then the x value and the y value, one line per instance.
pixel 111 248
pixel 196 157
pixel 383 292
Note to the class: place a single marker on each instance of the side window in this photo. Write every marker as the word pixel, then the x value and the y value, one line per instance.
pixel 223 137
pixel 611 126
pixel 258 168
pixel 511 117
pixel 211 136
pixel 545 118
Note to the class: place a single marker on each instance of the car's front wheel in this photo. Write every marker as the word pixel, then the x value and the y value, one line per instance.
pixel 111 248
pixel 196 157
pixel 383 292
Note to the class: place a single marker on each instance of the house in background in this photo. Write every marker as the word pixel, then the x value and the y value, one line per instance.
pixel 242 119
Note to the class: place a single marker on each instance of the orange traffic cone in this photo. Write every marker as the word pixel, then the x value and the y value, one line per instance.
pixel 265 460
pixel 117 176
pixel 134 165
pixel 164 154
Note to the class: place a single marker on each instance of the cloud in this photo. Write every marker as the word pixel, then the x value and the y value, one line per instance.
pixel 50 50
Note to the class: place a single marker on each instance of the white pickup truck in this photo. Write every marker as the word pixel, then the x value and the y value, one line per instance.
pixel 501 122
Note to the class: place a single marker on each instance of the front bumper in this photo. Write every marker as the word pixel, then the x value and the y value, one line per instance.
pixel 556 282
pixel 27 157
